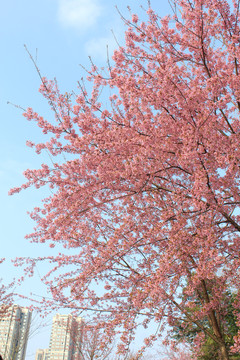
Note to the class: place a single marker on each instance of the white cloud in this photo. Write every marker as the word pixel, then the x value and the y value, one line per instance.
pixel 99 47
pixel 79 14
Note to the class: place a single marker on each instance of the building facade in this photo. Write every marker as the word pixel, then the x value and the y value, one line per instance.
pixel 65 338
pixel 14 332
pixel 41 354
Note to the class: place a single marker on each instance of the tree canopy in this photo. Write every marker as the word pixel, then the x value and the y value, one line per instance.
pixel 146 191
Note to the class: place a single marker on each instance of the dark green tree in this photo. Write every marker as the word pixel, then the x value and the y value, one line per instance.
pixel 185 331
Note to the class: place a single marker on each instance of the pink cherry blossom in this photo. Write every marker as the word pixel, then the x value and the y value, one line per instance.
pixel 146 202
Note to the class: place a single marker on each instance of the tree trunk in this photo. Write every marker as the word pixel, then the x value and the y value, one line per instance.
pixel 223 353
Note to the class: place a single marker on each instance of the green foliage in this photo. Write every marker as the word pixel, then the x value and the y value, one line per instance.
pixel 186 331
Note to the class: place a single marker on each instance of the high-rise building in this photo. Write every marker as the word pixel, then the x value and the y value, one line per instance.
pixel 41 354
pixel 14 332
pixel 65 338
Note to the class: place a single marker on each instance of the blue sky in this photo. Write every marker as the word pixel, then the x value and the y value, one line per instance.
pixel 60 34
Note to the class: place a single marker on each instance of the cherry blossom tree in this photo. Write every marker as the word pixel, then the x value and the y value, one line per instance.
pixel 145 190
pixel 177 355
pixel 89 345
pixel 6 294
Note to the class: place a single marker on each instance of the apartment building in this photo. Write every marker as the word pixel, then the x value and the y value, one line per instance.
pixel 65 338
pixel 14 332
pixel 41 354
